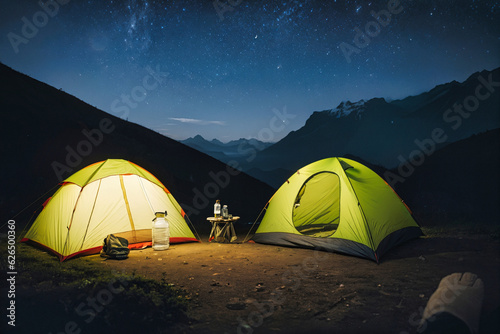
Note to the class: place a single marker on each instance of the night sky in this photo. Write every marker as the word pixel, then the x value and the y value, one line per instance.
pixel 231 69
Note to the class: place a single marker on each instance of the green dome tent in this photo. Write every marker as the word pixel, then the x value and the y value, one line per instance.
pixel 340 205
pixel 109 197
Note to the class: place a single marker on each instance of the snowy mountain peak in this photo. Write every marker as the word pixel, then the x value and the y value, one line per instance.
pixel 346 108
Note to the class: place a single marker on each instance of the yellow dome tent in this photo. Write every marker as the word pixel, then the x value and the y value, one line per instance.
pixel 338 205
pixel 109 197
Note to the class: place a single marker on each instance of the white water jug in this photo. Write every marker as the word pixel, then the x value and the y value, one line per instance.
pixel 161 232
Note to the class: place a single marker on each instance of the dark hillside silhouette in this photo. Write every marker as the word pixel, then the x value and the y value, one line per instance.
pixel 41 125
pixel 459 183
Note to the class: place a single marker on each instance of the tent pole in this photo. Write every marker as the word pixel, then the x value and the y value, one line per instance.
pixel 91 214
pixel 127 206
pixel 68 227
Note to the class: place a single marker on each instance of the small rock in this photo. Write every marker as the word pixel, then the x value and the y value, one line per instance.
pixel 421 257
pixel 421 295
pixel 341 285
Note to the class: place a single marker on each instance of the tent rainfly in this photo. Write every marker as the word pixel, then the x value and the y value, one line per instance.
pixel 339 205
pixel 109 197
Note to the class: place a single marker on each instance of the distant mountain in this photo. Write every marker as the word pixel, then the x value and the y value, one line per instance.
pixel 386 133
pixel 47 135
pixel 233 150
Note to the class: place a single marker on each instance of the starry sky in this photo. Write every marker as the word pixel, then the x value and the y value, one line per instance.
pixel 244 69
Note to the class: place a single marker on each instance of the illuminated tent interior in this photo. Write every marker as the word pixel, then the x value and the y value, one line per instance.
pixel 109 197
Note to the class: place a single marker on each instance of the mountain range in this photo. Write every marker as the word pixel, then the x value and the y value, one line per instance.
pixel 380 132
pixel 234 149
pixel 384 133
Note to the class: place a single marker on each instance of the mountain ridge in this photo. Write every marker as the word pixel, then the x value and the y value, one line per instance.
pixel 383 131
pixel 238 148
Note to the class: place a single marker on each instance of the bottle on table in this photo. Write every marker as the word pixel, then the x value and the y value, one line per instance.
pixel 217 209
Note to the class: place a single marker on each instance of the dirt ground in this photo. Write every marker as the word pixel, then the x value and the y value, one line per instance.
pixel 254 288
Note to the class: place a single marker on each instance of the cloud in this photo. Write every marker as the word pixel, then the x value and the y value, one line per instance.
pixel 196 121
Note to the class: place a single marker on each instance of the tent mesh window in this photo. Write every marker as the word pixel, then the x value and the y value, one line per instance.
pixel 316 210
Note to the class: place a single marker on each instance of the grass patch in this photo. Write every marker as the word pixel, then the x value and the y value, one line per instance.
pixel 81 294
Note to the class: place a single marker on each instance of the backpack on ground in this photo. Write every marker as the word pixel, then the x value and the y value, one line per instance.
pixel 115 247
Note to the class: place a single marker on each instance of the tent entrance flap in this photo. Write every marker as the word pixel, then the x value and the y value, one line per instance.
pixel 316 210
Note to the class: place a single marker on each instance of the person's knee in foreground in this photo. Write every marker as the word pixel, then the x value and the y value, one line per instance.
pixel 455 307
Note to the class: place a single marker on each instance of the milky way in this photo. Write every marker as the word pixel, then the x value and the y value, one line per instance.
pixel 223 69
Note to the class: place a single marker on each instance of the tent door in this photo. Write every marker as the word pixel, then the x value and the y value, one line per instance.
pixel 316 210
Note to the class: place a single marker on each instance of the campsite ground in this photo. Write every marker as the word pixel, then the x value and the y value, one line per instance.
pixel 253 288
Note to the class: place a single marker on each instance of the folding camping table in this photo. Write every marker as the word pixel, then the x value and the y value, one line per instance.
pixel 222 229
